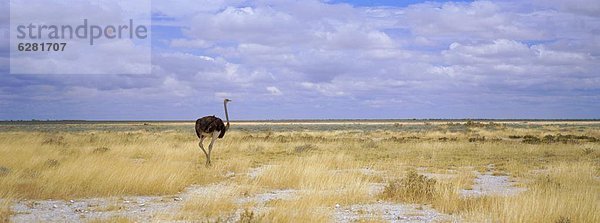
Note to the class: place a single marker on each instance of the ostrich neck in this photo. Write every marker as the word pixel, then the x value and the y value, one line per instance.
pixel 226 115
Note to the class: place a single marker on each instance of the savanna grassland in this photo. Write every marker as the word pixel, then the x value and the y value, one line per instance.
pixel 321 166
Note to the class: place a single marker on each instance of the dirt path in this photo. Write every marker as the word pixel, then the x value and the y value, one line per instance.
pixel 137 208
pixel 490 184
pixel 142 208
pixel 390 212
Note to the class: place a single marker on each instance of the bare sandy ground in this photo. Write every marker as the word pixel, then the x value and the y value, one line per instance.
pixel 164 208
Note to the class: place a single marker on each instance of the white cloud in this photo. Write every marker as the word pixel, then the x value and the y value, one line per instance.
pixel 177 88
pixel 326 89
pixel 436 59
pixel 507 65
pixel 222 95
pixel 585 7
pixel 274 91
pixel 186 43
pixel 478 19
pixel 105 56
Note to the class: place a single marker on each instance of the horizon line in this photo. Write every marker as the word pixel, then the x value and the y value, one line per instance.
pixel 317 120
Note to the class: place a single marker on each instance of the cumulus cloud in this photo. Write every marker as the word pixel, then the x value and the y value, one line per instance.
pixel 274 91
pixel 496 59
pixel 106 55
pixel 185 43
pixel 585 7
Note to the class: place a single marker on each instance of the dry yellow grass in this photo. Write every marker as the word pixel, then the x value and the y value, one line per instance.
pixel 111 220
pixel 213 206
pixel 316 172
pixel 75 165
pixel 325 166
pixel 322 181
pixel 303 210
pixel 5 210
pixel 567 192
pixel 464 179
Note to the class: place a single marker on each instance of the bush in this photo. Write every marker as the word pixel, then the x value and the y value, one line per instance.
pixel 249 217
pixel 414 188
pixel 548 139
pixel 4 171
pixel 574 138
pixel 588 151
pixel 477 139
pixel 529 139
pixel 563 219
pixel 100 150
pixel 51 163
pixel 304 148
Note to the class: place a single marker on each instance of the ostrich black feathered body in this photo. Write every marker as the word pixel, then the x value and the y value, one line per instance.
pixel 210 124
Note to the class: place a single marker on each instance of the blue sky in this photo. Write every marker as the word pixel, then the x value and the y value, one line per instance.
pixel 338 59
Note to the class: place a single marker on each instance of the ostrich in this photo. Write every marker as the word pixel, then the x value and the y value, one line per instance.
pixel 213 127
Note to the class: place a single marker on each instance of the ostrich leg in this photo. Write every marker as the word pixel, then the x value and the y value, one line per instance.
pixel 215 135
pixel 203 150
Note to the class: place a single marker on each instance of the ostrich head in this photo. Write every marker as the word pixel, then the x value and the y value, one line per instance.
pixel 226 100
